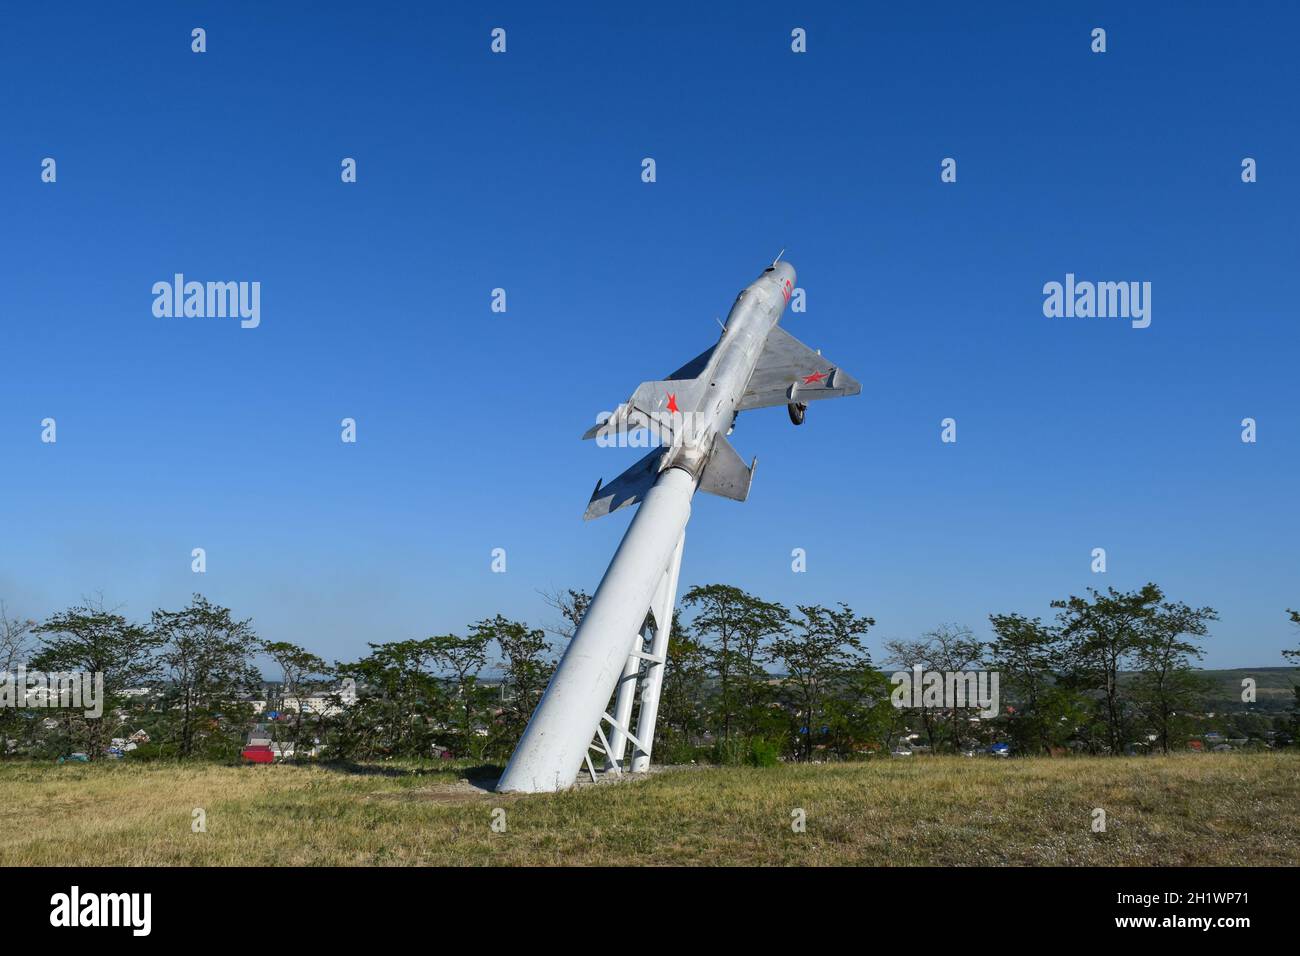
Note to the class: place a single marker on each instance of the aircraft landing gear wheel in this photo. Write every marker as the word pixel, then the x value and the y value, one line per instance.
pixel 796 410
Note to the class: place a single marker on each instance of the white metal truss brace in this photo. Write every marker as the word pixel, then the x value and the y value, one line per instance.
pixel 657 629
pixel 623 702
pixel 653 682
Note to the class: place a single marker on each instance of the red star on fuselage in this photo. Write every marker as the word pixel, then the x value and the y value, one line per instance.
pixel 814 377
pixel 672 402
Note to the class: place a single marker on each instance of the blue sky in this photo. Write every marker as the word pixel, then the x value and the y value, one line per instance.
pixel 522 171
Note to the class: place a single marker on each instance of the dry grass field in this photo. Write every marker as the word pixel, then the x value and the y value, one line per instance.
pixel 1219 809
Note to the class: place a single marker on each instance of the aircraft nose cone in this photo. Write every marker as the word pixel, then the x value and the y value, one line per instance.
pixel 781 272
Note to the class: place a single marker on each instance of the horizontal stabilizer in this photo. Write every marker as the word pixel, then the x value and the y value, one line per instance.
pixel 627 489
pixel 726 473
pixel 657 404
pixel 661 406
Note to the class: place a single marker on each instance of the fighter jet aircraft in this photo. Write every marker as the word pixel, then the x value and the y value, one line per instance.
pixel 621 644
pixel 755 364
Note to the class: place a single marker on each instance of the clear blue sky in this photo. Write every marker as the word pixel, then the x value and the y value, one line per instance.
pixel 523 171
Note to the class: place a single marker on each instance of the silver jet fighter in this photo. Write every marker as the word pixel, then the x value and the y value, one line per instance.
pixel 755 364
pixel 621 644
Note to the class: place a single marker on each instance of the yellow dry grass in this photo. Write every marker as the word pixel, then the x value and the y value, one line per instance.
pixel 1219 809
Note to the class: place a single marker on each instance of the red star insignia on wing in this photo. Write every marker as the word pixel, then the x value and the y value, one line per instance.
pixel 814 377
pixel 672 402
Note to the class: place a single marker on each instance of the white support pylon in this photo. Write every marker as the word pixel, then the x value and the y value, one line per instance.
pixel 556 740
pixel 653 682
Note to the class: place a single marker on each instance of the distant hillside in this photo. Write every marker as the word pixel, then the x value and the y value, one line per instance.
pixel 1274 688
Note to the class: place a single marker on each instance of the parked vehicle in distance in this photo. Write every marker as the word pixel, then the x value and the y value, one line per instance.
pixel 258 753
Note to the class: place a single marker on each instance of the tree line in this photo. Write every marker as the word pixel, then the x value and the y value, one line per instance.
pixel 747 680
pixel 189 680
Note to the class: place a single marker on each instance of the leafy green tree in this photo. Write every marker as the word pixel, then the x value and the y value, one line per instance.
pixel 1027 655
pixel 720 610
pixel 1166 685
pixel 954 648
pixel 1101 634
pixel 1294 657
pixel 1116 631
pixel 462 659
pixel 858 710
pixel 682 718
pixel 527 668
pixel 1295 654
pixel 764 623
pixel 15 648
pixel 89 639
pixel 823 655
pixel 400 704
pixel 734 627
pixel 906 655
pixel 207 656
pixel 948 648
pixel 300 672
